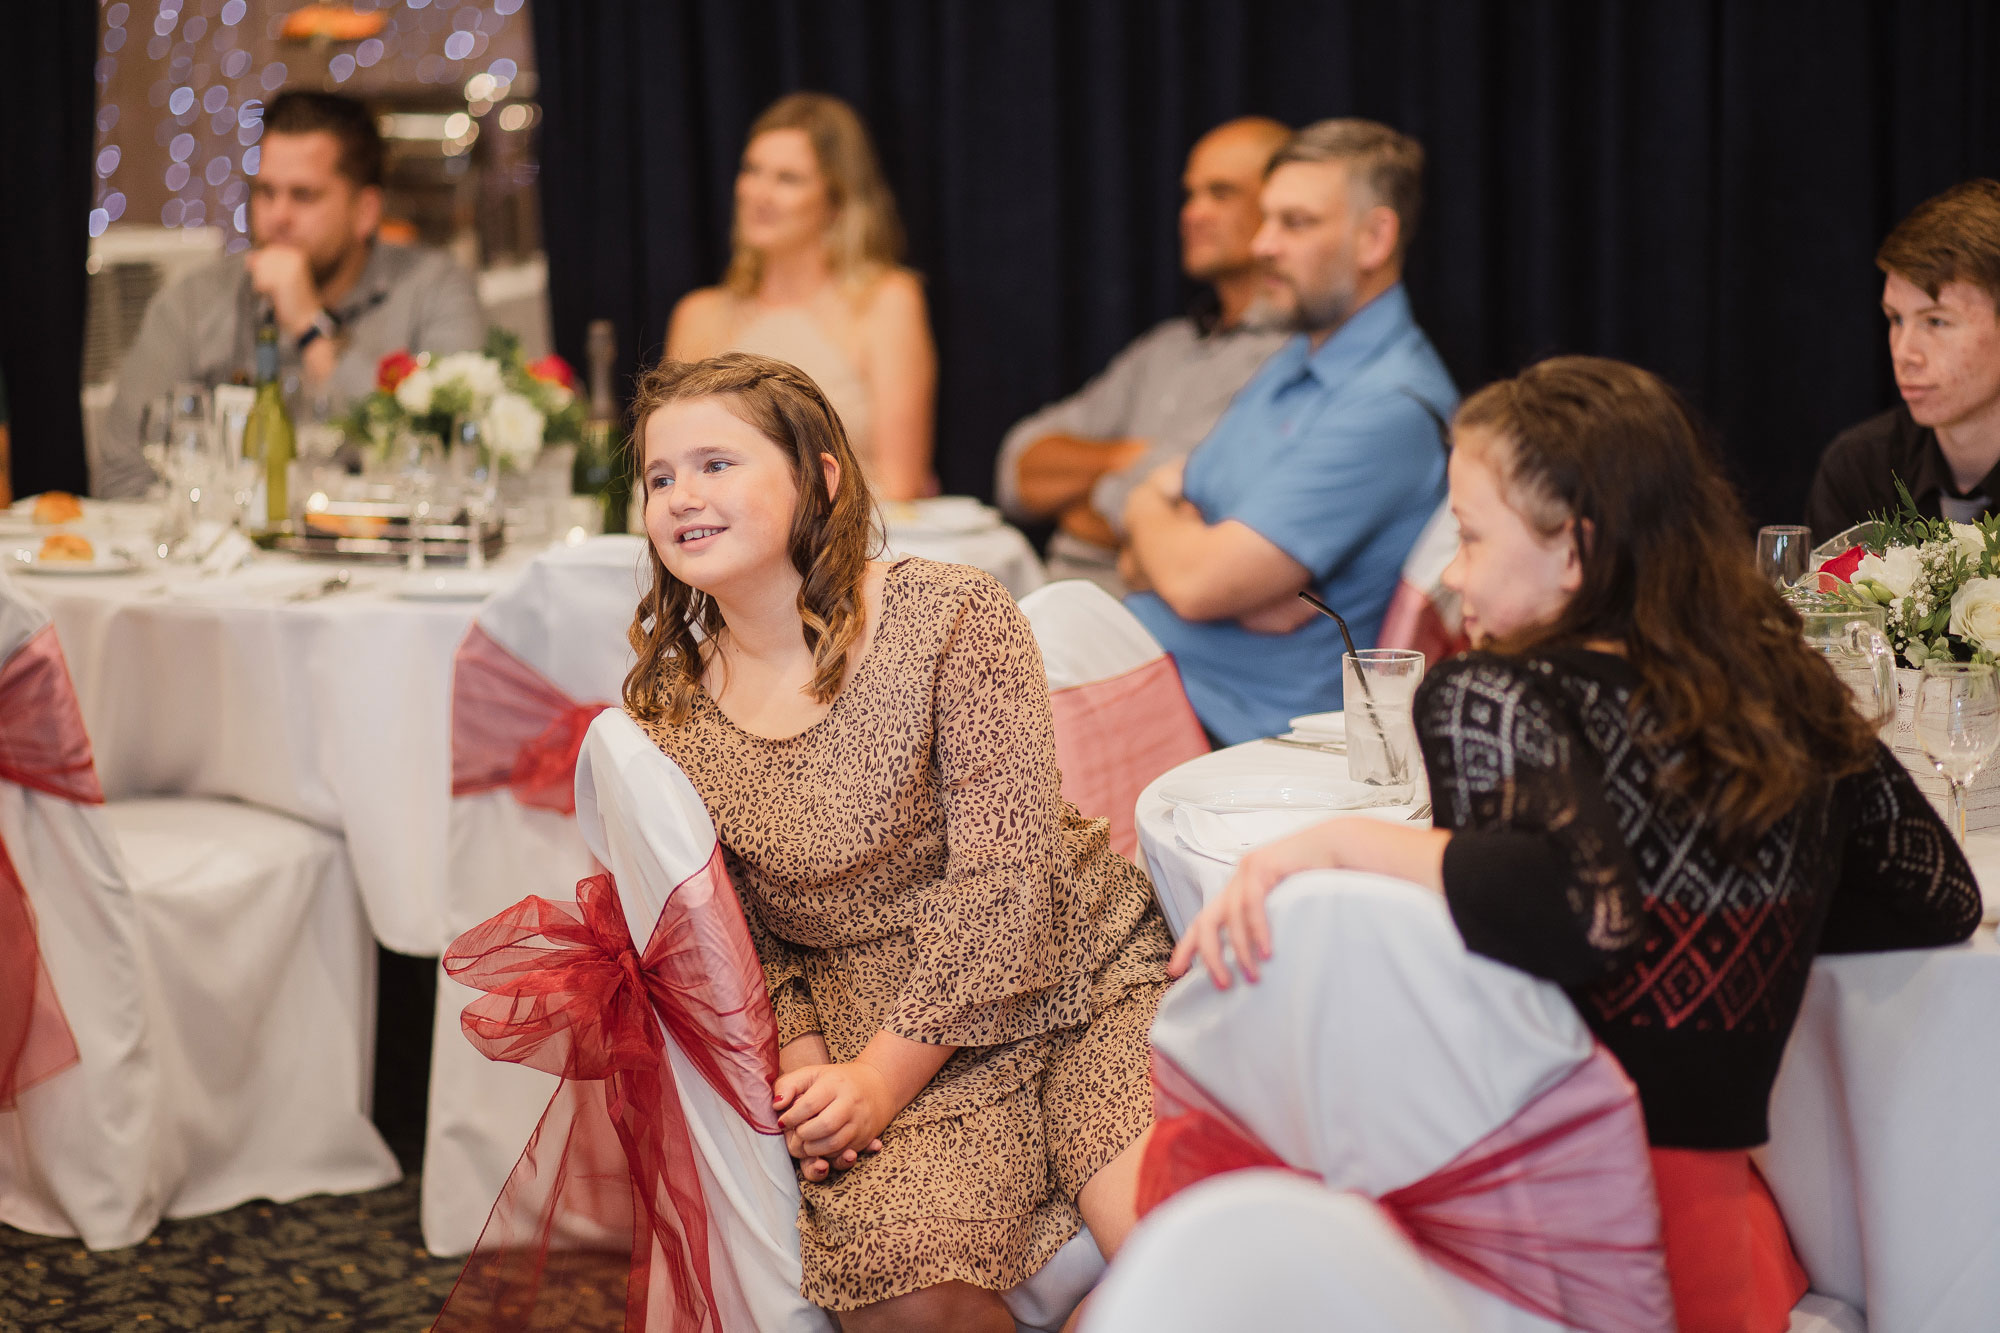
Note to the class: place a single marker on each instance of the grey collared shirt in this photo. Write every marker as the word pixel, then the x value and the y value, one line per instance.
pixel 204 329
pixel 1167 387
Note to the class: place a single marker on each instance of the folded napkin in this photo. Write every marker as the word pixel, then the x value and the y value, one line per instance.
pixel 252 583
pixel 1320 726
pixel 1226 837
pixel 228 550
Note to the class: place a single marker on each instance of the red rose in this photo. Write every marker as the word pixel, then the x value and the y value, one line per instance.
pixel 394 368
pixel 552 369
pixel 1841 567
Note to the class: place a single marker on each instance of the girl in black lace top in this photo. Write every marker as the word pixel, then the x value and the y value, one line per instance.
pixel 1647 788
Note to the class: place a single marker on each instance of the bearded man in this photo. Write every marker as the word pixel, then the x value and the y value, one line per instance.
pixel 340 297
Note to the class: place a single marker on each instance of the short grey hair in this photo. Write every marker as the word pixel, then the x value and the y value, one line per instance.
pixel 1388 164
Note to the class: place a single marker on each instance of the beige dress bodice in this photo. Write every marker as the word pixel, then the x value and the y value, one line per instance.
pixel 793 334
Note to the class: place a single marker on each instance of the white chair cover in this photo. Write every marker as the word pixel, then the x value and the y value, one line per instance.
pixel 1085 634
pixel 217 972
pixel 567 618
pixel 645 822
pixel 1121 716
pixel 1376 1048
pixel 1270 1250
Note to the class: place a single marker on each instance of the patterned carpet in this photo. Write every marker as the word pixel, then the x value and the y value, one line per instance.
pixel 352 1261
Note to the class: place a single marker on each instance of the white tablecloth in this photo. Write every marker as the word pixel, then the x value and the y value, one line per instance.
pixel 336 711
pixel 1184 880
pixel 1883 1153
pixel 1001 551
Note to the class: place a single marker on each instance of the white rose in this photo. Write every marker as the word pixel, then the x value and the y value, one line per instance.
pixel 1971 541
pixel 1896 569
pixel 1975 613
pixel 514 430
pixel 479 373
pixel 414 393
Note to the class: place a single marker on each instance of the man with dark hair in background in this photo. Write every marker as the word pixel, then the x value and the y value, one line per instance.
pixel 1325 467
pixel 1942 300
pixel 1077 460
pixel 340 298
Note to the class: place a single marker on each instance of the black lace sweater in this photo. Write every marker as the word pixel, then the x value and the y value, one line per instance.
pixel 1690 965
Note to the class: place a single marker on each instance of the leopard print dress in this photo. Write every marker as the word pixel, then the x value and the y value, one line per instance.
pixel 908 862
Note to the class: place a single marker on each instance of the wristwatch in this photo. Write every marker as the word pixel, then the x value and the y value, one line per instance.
pixel 324 325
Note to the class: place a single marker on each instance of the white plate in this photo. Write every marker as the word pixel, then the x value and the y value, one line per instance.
pixel 31 562
pixel 1319 727
pixel 1230 795
pixel 944 516
pixel 449 585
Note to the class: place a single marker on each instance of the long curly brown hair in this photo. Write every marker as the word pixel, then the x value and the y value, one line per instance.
pixel 830 539
pixel 1745 719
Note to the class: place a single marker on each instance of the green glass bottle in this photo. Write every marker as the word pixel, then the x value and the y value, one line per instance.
pixel 268 435
pixel 603 468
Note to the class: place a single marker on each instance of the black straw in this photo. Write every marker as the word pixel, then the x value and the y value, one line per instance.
pixel 1325 610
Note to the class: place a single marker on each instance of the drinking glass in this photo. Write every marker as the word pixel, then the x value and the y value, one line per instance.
pixel 189 463
pixel 418 459
pixel 1378 687
pixel 1854 640
pixel 1784 552
pixel 1958 724
pixel 479 473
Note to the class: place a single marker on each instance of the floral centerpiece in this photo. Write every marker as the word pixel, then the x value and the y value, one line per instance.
pixel 520 405
pixel 1938 580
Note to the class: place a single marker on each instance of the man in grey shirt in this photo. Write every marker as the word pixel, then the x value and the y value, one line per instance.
pixel 1076 461
pixel 341 298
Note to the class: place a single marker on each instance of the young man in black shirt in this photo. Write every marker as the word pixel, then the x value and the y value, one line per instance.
pixel 1942 301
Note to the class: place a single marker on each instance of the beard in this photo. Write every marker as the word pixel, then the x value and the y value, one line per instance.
pixel 1326 307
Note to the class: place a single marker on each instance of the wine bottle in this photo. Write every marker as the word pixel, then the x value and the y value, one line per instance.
pixel 601 464
pixel 268 435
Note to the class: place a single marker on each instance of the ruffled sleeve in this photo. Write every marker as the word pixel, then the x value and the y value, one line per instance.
pixel 989 955
pixel 1536 874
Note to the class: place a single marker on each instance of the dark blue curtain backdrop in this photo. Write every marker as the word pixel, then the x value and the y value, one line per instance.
pixel 1698 187
pixel 48 108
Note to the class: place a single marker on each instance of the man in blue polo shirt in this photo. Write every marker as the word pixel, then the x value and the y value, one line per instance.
pixel 1326 465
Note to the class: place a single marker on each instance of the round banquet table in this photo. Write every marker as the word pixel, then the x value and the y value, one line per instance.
pixel 335 710
pixel 1880 1154
pixel 1001 550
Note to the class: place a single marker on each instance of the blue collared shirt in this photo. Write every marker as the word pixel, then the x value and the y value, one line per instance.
pixel 1336 456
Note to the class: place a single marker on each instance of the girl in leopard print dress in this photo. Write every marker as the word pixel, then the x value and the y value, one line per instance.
pixel 963 973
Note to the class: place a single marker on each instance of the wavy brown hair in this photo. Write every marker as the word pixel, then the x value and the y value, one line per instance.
pixel 830 538
pixel 1743 718
pixel 865 238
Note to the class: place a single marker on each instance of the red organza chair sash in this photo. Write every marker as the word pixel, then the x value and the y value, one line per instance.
pixel 604 1214
pixel 1554 1211
pixel 511 727
pixel 42 746
pixel 1115 736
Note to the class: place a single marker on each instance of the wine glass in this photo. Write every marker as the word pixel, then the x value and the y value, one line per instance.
pixel 417 457
pixel 480 474
pixel 1958 724
pixel 1784 551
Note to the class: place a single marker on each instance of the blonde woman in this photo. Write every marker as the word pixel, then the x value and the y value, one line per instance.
pixel 815 279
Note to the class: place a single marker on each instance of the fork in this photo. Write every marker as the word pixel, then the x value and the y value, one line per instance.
pixel 1421 812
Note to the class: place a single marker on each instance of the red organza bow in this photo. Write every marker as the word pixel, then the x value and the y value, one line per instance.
pixel 1115 736
pixel 604 1214
pixel 511 727
pixel 43 746
pixel 1554 1211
